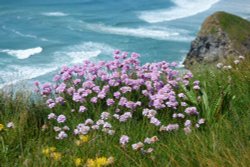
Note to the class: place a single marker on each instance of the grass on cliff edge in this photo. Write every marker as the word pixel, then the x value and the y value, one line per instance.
pixel 224 142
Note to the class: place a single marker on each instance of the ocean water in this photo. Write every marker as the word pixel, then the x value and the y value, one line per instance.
pixel 38 37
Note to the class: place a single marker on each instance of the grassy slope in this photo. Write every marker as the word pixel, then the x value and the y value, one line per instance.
pixel 237 28
pixel 224 142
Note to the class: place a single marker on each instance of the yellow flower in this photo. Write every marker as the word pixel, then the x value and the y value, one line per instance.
pixel 56 156
pixel 84 139
pixel 52 149
pixel 1 127
pixel 78 161
pixel 91 163
pixel 99 162
pixel 78 142
pixel 102 161
pixel 46 151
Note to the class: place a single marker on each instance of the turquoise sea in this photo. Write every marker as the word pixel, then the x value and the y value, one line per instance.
pixel 38 37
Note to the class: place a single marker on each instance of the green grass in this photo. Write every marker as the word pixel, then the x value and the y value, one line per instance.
pixel 236 27
pixel 224 141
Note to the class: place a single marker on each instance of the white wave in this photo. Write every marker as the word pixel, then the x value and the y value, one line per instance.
pixel 22 54
pixel 55 14
pixel 157 33
pixel 182 9
pixel 84 51
pixel 70 55
pixel 23 74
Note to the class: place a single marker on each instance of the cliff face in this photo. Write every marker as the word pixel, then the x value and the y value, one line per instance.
pixel 222 36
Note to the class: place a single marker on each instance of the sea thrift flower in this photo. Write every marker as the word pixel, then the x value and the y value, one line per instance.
pixel 94 83
pixel 105 115
pixel 116 116
pixel 170 127
pixel 61 88
pixel 95 127
pixel 57 129
pixel 124 140
pixel 196 87
pixel 94 99
pixel 201 121
pixel 61 119
pixel 82 129
pixel 52 116
pixel 187 123
pixel 191 111
pixel 183 104
pixel 62 135
pixel 124 117
pixel 51 103
pixel 117 95
pixel 110 102
pixel 77 97
pixel 77 81
pixel 89 122
pixel 107 125
pixel 82 109
pixel 155 121
pixel 59 100
pixel 181 95
pixel 111 132
pixel 36 83
pixel 174 115
pixel 180 115
pixel 187 130
pixel 149 113
pixel 100 122
pixel 125 89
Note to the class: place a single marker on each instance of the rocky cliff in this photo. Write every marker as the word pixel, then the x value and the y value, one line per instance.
pixel 222 36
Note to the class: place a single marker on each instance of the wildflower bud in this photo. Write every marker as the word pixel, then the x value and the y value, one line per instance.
pixel 10 125
pixel 137 146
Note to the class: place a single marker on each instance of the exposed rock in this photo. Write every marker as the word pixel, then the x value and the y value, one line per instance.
pixel 222 36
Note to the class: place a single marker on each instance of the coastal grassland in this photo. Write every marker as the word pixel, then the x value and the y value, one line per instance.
pixel 224 141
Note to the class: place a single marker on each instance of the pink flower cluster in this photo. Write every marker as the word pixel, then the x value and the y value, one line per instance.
pixel 120 89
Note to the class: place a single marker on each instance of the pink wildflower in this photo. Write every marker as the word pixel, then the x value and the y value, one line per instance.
pixel 61 119
pixel 124 140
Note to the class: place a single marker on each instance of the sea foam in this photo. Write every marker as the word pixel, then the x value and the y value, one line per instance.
pixel 66 56
pixel 22 54
pixel 182 9
pixel 22 73
pixel 158 33
pixel 55 14
pixel 83 51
